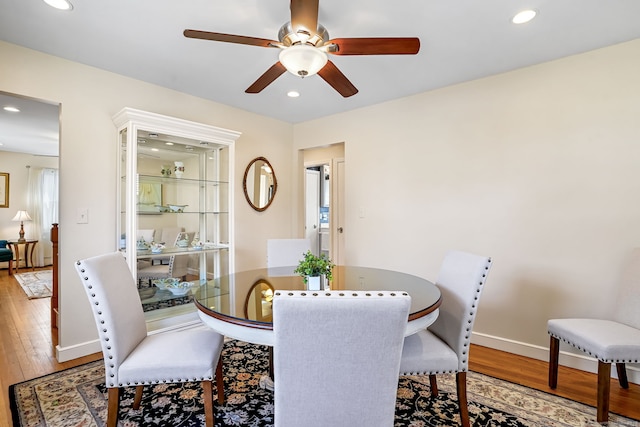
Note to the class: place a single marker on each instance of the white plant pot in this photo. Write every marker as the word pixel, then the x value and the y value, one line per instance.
pixel 316 283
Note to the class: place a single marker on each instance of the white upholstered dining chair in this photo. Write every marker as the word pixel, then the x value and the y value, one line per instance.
pixel 615 340
pixel 286 252
pixel 444 346
pixel 336 357
pixel 131 356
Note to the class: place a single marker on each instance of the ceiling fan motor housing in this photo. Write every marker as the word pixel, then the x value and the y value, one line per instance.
pixel 289 37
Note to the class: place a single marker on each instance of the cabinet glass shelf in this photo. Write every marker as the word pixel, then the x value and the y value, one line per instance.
pixel 175 180
pixel 178 251
pixel 153 298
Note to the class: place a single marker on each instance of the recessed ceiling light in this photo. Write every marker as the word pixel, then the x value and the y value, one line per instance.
pixel 168 143
pixel 524 16
pixel 154 149
pixel 11 109
pixel 153 135
pixel 293 94
pixel 59 4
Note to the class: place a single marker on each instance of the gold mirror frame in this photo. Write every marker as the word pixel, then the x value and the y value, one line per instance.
pixel 261 291
pixel 271 188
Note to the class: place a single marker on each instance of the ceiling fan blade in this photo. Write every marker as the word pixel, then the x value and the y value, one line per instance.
pixel 304 13
pixel 230 38
pixel 332 75
pixel 267 78
pixel 375 46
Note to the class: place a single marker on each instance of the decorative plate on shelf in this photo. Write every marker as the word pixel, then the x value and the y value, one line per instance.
pixel 181 288
pixel 177 208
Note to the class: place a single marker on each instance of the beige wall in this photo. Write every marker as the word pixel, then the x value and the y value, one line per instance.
pixel 89 98
pixel 538 168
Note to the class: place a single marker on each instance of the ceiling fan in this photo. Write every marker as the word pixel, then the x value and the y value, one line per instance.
pixel 304 45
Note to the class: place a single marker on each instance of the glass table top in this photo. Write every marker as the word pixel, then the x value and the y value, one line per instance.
pixel 245 297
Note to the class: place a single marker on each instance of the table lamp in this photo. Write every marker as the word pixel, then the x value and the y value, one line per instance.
pixel 21 216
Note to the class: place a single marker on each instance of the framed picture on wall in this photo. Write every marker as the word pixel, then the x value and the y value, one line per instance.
pixel 4 190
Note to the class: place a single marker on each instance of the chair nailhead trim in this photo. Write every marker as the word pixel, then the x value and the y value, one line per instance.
pixel 342 294
pixel 602 359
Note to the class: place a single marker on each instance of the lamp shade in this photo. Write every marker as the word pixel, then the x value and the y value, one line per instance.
pixel 22 216
pixel 303 60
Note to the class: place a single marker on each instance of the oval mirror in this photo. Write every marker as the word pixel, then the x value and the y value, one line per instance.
pixel 257 306
pixel 259 183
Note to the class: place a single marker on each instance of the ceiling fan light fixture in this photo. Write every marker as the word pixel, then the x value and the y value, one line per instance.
pixel 303 60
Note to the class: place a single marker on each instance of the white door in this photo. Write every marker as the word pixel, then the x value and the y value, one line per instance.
pixel 312 209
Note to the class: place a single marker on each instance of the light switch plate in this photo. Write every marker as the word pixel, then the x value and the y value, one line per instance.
pixel 82 216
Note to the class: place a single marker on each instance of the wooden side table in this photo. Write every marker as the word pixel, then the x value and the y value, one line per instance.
pixel 14 244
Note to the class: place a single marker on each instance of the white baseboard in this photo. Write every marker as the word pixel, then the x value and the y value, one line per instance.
pixel 64 354
pixel 184 321
pixel 576 361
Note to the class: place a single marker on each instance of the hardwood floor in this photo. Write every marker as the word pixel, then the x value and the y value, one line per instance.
pixel 26 342
pixel 26 351
pixel 572 383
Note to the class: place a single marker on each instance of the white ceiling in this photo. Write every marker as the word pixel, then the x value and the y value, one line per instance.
pixel 33 130
pixel 461 40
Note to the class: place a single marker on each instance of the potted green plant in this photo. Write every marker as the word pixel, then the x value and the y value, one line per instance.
pixel 312 268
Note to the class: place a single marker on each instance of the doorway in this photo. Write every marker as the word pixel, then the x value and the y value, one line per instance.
pixel 29 142
pixel 29 155
pixel 323 200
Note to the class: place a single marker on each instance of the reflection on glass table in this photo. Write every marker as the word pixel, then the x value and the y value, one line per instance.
pixel 238 305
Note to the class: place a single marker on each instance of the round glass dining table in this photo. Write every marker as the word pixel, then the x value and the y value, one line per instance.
pixel 239 305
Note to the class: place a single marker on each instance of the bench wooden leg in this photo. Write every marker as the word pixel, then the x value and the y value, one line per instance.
pixel 604 385
pixel 554 351
pixel 622 375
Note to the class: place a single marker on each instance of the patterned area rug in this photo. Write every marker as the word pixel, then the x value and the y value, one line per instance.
pixel 37 284
pixel 77 397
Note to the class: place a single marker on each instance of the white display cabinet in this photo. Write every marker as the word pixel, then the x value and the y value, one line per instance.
pixel 175 176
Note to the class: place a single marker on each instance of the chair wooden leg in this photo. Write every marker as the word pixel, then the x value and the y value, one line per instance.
pixel 622 375
pixel 271 362
pixel 554 351
pixel 138 397
pixel 434 385
pixel 461 385
pixel 113 406
pixel 208 403
pixel 604 384
pixel 220 381
pixel 10 267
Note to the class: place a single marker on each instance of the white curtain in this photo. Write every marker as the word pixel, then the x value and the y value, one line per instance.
pixel 43 209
